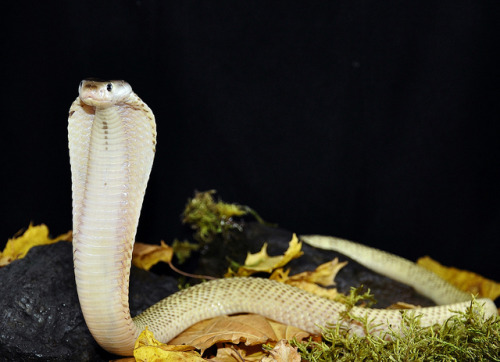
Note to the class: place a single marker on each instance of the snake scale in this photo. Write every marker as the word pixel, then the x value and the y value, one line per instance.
pixel 112 140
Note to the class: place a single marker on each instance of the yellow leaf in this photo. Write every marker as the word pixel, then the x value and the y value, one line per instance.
pixel 280 275
pixel 262 262
pixel 463 279
pixel 18 246
pixel 330 293
pixel 323 275
pixel 145 256
pixel 309 280
pixel 148 349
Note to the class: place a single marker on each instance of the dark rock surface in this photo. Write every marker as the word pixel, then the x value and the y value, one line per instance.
pixel 40 317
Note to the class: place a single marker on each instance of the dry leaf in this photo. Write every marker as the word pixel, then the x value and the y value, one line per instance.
pixel 228 354
pixel 330 293
pixel 283 352
pixel 465 280
pixel 145 256
pixel 250 329
pixel 262 262
pixel 239 353
pixel 402 305
pixel 18 246
pixel 148 349
pixel 284 331
pixel 324 275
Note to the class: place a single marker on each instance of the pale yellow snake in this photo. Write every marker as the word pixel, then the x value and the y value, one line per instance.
pixel 112 140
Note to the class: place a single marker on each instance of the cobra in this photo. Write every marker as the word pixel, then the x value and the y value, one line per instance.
pixel 112 141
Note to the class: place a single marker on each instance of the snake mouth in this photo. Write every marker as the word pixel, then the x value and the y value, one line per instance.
pixel 96 101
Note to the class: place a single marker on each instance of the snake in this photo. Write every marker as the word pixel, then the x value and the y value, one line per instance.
pixel 112 143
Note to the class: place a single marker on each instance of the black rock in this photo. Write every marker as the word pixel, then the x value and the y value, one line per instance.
pixel 40 316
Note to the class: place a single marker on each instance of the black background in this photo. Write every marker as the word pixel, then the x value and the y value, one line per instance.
pixel 374 121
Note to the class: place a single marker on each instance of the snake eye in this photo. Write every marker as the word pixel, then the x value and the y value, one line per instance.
pixel 109 87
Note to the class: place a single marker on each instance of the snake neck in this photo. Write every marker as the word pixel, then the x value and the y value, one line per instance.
pixel 104 232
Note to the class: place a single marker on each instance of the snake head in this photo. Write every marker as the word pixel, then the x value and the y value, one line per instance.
pixel 97 93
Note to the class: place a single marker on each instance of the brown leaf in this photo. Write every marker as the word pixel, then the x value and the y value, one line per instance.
pixel 283 352
pixel 463 279
pixel 284 331
pixel 239 353
pixel 145 256
pixel 250 329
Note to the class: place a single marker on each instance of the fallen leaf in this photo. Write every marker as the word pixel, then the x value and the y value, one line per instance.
pixel 465 280
pixel 309 280
pixel 148 349
pixel 18 246
pixel 284 331
pixel 239 353
pixel 402 305
pixel 145 256
pixel 262 262
pixel 323 275
pixel 283 352
pixel 330 293
pixel 250 329
pixel 247 329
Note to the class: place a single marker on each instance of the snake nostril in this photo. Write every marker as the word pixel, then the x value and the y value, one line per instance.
pixel 109 87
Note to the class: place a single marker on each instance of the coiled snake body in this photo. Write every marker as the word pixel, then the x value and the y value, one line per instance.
pixel 112 140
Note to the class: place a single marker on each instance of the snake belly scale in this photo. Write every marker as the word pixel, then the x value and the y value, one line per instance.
pixel 112 141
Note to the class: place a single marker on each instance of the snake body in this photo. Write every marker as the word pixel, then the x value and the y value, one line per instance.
pixel 395 267
pixel 112 140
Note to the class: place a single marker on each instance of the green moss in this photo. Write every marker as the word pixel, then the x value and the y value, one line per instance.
pixel 357 297
pixel 184 249
pixel 466 336
pixel 210 218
